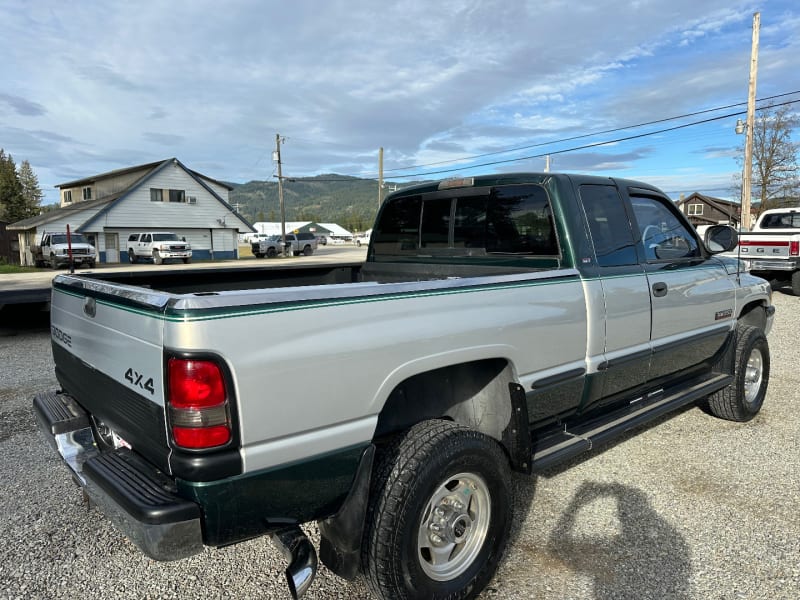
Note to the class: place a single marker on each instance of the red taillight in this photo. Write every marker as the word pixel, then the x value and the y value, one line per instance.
pixel 794 248
pixel 198 406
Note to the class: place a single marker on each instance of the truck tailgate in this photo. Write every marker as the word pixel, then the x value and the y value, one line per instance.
pixel 107 346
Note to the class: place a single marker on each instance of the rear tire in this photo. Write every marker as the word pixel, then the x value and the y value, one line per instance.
pixel 743 398
pixel 796 283
pixel 439 514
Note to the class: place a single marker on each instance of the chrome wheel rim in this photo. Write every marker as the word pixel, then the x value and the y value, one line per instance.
pixel 454 526
pixel 753 375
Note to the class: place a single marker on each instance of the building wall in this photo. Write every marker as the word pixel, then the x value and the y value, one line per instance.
pixel 138 212
pixel 103 187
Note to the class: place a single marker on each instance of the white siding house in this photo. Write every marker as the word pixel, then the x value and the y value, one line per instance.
pixel 162 196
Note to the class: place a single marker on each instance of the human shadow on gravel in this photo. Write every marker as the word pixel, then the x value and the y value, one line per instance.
pixel 645 558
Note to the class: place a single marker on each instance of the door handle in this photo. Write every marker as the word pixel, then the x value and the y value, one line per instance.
pixel 659 289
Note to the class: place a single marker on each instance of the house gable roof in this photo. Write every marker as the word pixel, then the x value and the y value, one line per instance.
pixel 732 209
pixel 59 213
pixel 161 166
pixel 146 167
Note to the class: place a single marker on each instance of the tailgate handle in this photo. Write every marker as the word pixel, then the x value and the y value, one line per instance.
pixel 90 307
pixel 659 289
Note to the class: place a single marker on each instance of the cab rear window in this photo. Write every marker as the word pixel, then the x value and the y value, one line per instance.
pixel 514 219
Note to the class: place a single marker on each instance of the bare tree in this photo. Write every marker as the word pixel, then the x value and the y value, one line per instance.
pixel 776 179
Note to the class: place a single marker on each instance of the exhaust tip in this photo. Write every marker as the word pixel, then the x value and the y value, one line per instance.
pixel 299 551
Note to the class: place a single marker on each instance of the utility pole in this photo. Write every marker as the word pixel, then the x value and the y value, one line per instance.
pixel 747 175
pixel 280 192
pixel 380 177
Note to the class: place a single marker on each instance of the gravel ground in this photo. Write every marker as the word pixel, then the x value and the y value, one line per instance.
pixel 691 507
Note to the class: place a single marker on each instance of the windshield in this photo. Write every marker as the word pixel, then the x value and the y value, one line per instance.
pixel 789 220
pixel 77 238
pixel 165 237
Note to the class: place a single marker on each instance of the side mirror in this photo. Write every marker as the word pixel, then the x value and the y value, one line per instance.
pixel 721 238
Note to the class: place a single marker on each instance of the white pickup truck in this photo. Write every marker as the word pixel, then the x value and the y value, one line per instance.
pixel 772 249
pixel 500 323
pixel 158 246
pixel 57 250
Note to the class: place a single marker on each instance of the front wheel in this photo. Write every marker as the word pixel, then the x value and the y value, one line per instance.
pixel 157 258
pixel 131 256
pixel 187 260
pixel 439 514
pixel 53 262
pixel 308 251
pixel 742 399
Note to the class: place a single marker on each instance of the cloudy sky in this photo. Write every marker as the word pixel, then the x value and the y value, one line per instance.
pixel 444 87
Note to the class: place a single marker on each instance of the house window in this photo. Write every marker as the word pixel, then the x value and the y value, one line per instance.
pixel 156 195
pixel 177 196
pixel 68 197
pixel 695 210
pixel 87 193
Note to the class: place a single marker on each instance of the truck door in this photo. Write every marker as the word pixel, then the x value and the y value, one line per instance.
pixel 619 301
pixel 692 296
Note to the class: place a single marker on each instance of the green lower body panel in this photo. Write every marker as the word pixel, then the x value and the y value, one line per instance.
pixel 245 506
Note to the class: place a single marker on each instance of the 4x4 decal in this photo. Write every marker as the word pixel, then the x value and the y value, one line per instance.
pixel 136 378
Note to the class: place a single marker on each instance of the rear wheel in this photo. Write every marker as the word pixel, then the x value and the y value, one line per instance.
pixel 439 514
pixel 743 398
pixel 796 283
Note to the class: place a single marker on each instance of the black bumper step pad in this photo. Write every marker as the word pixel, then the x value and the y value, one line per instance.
pixel 59 413
pixel 145 493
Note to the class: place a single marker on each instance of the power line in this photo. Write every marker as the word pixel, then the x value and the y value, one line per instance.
pixel 586 135
pixel 585 146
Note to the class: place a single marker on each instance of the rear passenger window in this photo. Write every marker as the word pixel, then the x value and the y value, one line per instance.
pixel 609 226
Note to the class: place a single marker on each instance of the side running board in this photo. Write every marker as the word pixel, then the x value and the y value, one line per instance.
pixel 563 445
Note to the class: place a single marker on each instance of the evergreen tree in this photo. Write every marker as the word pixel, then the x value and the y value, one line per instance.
pixel 31 192
pixel 11 199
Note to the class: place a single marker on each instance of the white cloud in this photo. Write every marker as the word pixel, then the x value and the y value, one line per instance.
pixel 212 83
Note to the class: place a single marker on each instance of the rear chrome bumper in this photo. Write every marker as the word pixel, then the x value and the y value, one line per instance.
pixel 132 493
pixel 772 265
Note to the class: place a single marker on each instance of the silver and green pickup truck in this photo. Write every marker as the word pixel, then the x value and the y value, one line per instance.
pixel 499 323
